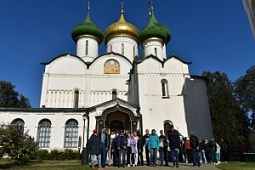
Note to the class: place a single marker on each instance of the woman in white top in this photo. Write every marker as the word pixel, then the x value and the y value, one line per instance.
pixel 134 149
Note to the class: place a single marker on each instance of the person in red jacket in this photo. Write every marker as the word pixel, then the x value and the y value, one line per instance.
pixel 188 150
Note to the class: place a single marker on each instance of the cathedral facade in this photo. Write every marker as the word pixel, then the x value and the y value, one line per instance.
pixel 120 89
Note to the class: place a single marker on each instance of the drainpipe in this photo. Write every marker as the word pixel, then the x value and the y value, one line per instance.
pixel 141 120
pixel 88 125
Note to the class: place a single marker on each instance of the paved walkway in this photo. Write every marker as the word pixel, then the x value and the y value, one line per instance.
pixel 183 166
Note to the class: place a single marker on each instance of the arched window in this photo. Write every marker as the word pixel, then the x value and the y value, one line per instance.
pixel 87 47
pixel 156 52
pixel 71 134
pixel 114 94
pixel 19 124
pixel 164 87
pixel 44 131
pixel 111 67
pixel 76 98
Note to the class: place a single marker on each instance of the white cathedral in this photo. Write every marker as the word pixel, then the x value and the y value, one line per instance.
pixel 120 89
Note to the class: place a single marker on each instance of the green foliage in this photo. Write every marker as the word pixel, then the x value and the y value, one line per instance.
pixel 54 155
pixel 16 145
pixel 228 119
pixel 67 154
pixel 237 166
pixel 42 154
pixel 52 167
pixel 11 98
pixel 245 91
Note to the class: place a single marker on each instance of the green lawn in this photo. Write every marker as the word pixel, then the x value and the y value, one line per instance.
pixel 237 166
pixel 45 165
pixel 54 167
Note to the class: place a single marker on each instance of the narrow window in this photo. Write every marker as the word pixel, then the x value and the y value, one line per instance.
pixel 156 52
pixel 71 134
pixel 114 94
pixel 76 98
pixel 164 88
pixel 110 48
pixel 44 131
pixel 122 49
pixel 133 51
pixel 87 47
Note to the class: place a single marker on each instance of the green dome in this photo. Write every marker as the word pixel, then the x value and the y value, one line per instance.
pixel 154 29
pixel 167 32
pixel 89 29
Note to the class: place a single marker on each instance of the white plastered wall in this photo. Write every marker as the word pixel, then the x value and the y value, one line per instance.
pixel 155 108
pixel 62 77
pixel 57 119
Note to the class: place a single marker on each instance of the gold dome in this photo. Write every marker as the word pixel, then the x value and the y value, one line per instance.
pixel 122 29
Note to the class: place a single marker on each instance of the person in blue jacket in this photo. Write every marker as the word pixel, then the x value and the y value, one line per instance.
pixel 153 146
pixel 122 146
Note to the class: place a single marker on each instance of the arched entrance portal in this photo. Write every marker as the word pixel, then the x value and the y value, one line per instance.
pixel 116 125
pixel 118 118
pixel 117 121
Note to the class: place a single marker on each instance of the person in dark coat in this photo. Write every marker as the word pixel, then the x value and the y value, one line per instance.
pixel 145 141
pixel 212 151
pixel 114 150
pixel 194 143
pixel 140 150
pixel 207 151
pixel 95 149
pixel 174 144
pixel 224 150
pixel 202 150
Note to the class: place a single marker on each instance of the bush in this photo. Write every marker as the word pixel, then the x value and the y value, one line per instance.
pixel 67 154
pixel 42 155
pixel 17 145
pixel 54 155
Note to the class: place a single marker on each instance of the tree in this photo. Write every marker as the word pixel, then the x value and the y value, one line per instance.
pixel 228 119
pixel 11 98
pixel 17 145
pixel 245 92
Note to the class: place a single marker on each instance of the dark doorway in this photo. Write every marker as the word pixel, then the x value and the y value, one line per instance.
pixel 116 125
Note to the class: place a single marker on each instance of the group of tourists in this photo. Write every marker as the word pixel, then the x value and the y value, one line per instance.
pixel 125 149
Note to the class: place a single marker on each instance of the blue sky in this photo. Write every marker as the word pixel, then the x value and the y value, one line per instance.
pixel 214 35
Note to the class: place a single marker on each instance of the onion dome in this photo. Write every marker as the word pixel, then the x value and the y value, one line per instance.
pixel 87 28
pixel 123 29
pixel 154 29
